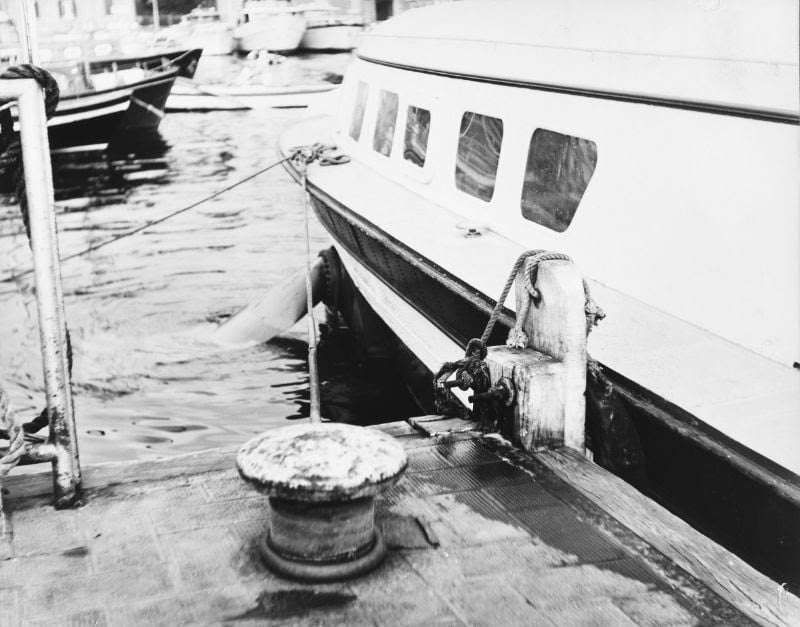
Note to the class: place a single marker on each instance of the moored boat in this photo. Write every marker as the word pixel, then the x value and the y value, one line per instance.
pixel 202 28
pixel 328 28
pixel 627 144
pixel 89 119
pixel 268 25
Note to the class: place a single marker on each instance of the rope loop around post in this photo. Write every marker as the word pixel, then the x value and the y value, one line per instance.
pixel 12 431
pixel 532 258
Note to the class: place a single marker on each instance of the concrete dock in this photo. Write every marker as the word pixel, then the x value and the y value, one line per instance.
pixel 479 534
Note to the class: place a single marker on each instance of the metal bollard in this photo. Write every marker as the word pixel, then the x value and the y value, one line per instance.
pixel 321 479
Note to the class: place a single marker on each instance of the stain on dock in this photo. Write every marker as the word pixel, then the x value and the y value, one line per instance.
pixel 285 604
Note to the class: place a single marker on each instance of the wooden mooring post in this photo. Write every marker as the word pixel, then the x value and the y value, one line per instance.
pixel 549 373
pixel 62 447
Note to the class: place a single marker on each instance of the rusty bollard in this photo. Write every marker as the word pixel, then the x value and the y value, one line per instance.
pixel 321 480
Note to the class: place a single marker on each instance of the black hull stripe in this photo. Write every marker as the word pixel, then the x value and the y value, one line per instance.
pixel 670 103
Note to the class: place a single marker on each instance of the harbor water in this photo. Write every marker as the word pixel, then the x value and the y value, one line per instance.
pixel 147 381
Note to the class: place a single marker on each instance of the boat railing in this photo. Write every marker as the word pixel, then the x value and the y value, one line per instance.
pixel 61 447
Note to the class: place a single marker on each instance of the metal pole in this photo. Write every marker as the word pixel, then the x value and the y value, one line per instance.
pixel 49 299
pixel 313 372
pixel 156 17
pixel 28 37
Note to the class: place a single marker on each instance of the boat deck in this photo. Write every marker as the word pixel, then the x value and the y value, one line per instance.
pixel 479 534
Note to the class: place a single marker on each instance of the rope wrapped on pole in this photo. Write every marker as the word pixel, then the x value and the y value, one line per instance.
pixel 12 431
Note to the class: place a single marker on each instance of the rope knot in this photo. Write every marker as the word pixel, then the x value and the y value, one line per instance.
pixel 325 154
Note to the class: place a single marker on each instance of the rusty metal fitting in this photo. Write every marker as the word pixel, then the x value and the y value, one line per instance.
pixel 503 390
pixel 463 380
pixel 321 480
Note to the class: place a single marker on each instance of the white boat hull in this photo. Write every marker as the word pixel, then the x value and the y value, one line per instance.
pixel 331 37
pixel 279 33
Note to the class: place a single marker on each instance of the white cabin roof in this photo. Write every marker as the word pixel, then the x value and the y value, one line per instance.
pixel 727 53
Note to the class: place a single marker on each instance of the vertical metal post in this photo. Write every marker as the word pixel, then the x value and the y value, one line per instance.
pixel 28 36
pixel 156 17
pixel 49 299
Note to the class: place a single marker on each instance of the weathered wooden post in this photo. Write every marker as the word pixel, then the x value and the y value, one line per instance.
pixel 549 373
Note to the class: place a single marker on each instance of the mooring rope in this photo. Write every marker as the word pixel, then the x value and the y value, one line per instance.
pixel 151 223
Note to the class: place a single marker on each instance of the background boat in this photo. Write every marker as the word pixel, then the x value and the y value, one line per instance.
pixel 91 118
pixel 184 60
pixel 272 26
pixel 330 28
pixel 200 28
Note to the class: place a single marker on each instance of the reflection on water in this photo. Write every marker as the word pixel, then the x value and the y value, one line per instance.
pixel 147 381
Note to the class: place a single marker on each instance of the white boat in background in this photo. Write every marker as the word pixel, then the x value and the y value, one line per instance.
pixel 269 80
pixel 329 28
pixel 270 25
pixel 201 28
pixel 653 142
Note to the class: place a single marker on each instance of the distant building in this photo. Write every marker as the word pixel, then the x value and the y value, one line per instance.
pixel 62 15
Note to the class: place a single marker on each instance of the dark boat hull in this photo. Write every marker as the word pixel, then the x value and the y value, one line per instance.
pixel 741 499
pixel 95 119
pixel 147 105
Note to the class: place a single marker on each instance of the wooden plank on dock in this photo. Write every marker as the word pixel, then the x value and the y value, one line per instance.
pixel 733 579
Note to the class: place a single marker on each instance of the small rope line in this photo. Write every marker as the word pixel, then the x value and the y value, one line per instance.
pixel 151 223
pixel 301 157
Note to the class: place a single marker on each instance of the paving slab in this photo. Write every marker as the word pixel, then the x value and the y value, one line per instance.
pixel 475 537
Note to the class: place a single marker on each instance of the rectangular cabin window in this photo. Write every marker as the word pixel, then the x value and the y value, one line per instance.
pixel 384 125
pixel 418 125
pixel 358 111
pixel 478 154
pixel 559 169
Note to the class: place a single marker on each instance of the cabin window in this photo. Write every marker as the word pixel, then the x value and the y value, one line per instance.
pixel 418 125
pixel 559 169
pixel 384 125
pixel 478 154
pixel 358 111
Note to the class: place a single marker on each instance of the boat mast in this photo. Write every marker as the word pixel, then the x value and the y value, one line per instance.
pixel 156 18
pixel 28 36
